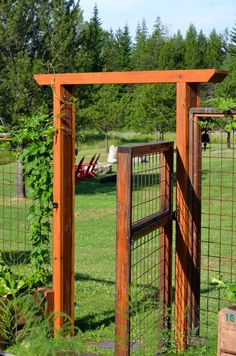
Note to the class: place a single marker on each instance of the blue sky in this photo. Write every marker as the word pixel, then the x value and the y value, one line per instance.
pixel 175 14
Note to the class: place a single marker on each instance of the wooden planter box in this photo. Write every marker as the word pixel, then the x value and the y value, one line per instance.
pixel 227 332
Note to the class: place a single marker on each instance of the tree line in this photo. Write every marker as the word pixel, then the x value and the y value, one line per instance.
pixel 41 36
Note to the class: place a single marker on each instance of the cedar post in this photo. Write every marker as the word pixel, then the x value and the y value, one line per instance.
pixel 187 96
pixel 63 203
pixel 124 163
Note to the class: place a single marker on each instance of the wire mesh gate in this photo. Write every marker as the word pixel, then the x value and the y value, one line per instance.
pixel 144 241
pixel 212 153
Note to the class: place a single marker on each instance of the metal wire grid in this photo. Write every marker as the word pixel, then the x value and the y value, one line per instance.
pixel 218 238
pixel 145 309
pixel 14 241
pixel 146 195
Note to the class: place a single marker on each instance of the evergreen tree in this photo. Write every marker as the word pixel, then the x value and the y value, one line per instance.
pixel 172 53
pixel 107 111
pixel 202 46
pixel 227 89
pixel 232 46
pixel 139 56
pixel 93 39
pixel 155 44
pixel 117 50
pixel 19 38
pixel 214 54
pixel 191 55
pixel 66 26
pixel 153 109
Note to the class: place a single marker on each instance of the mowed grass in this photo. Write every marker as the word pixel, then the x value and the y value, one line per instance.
pixel 95 232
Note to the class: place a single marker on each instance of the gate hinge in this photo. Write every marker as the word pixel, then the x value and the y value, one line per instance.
pixel 175 215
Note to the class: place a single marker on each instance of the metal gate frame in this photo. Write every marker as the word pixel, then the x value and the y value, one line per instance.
pixel 127 232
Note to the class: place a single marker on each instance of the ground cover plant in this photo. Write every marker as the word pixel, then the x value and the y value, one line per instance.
pixel 95 228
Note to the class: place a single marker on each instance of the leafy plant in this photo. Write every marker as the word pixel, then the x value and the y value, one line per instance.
pixel 20 315
pixel 36 140
pixel 225 105
pixel 10 284
pixel 231 288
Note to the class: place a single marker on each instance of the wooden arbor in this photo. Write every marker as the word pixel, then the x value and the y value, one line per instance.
pixel 187 95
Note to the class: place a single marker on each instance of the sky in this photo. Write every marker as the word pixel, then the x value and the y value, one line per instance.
pixel 175 14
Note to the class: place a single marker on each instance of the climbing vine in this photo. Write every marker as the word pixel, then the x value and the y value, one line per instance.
pixel 36 140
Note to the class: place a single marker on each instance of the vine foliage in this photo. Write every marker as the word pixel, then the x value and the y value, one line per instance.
pixel 36 140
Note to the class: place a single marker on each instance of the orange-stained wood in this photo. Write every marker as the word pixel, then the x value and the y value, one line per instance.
pixel 187 96
pixel 63 199
pixel 156 76
pixel 166 192
pixel 123 253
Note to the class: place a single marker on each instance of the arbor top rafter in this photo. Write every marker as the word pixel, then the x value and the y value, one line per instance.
pixel 134 77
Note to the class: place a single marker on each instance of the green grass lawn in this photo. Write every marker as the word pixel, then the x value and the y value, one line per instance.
pixel 95 232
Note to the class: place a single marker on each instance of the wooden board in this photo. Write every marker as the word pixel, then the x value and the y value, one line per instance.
pixel 227 332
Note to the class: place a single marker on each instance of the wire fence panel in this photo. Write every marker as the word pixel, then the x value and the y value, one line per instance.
pixel 217 172
pixel 15 245
pixel 218 241
pixel 15 202
pixel 144 240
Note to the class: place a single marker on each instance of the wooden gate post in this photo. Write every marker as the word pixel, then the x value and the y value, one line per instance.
pixel 187 96
pixel 124 165
pixel 63 203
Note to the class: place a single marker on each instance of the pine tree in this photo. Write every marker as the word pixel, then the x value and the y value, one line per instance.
pixel 93 41
pixel 139 56
pixel 202 46
pixel 117 50
pixel 65 25
pixel 191 56
pixel 19 37
pixel 172 53
pixel 232 47
pixel 214 54
pixel 155 44
pixel 153 109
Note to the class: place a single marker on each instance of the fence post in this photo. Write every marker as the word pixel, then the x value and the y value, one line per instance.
pixel 63 203
pixel 194 220
pixel 124 162
pixel 166 192
pixel 187 96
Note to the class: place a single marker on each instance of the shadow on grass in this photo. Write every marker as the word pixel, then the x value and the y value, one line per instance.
pixel 93 186
pixel 86 277
pixel 95 320
pixel 95 139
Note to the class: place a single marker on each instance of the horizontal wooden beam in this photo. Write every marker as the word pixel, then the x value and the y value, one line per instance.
pixel 146 148
pixel 149 224
pixel 134 77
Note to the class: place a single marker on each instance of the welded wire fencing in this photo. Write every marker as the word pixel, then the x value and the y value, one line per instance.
pixel 144 241
pixel 16 244
pixel 218 238
pixel 217 250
